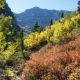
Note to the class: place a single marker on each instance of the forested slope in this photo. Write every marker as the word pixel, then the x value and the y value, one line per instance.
pixel 10 38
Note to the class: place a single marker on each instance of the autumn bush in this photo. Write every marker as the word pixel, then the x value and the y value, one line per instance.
pixel 56 33
pixel 75 75
pixel 55 63
pixel 59 61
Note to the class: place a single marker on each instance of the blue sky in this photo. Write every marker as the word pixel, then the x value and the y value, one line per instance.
pixel 18 6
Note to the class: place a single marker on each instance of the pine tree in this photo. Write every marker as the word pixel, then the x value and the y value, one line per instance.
pixel 22 35
pixel 22 43
pixel 41 28
pixel 78 6
pixel 62 14
pixel 51 22
pixel 36 27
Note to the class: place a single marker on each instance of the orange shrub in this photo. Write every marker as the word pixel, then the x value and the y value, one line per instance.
pixel 56 63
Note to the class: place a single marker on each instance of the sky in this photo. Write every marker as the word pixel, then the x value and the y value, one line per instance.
pixel 19 6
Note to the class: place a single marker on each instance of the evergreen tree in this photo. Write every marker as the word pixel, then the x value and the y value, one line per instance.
pixel 62 14
pixel 36 27
pixel 51 22
pixel 41 28
pixel 21 42
pixel 78 6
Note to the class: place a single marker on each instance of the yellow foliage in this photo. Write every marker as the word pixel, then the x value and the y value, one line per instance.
pixel 75 19
pixel 5 55
pixel 1 35
pixel 32 39
pixel 8 72
pixel 54 33
pixel 1 3
pixel 62 20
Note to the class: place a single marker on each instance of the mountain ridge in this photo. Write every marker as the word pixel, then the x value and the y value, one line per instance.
pixel 43 16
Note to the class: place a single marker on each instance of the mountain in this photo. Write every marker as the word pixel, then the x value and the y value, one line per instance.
pixel 43 16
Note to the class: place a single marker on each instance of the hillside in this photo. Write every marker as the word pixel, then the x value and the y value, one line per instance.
pixel 9 41
pixel 59 59
pixel 47 52
pixel 54 62
pixel 29 17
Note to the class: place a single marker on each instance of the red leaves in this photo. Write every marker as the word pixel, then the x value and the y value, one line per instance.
pixel 57 63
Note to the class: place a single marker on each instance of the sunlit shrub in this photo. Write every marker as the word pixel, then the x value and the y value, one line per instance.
pixel 76 20
pixel 32 39
pixel 1 3
pixel 75 75
pixel 55 33
pixel 8 72
pixel 5 55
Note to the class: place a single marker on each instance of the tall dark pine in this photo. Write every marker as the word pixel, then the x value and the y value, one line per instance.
pixel 22 43
pixel 36 27
pixel 62 14
pixel 78 6
pixel 51 22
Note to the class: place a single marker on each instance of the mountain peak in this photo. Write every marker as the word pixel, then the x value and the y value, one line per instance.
pixel 35 8
pixel 32 15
